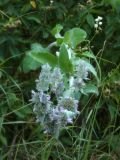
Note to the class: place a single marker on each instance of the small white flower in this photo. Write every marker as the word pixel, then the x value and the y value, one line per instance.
pixel 96 25
pixel 100 23
pixel 100 18
pixel 97 19
pixel 51 1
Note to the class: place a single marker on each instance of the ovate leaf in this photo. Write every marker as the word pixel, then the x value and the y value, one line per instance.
pixel 90 88
pixel 74 36
pixel 64 59
pixel 29 63
pixel 44 57
pixel 90 20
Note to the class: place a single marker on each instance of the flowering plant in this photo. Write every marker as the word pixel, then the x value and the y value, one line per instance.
pixel 62 80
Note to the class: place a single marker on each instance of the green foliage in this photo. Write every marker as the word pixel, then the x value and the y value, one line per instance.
pixel 44 57
pixel 64 60
pixel 74 36
pixel 56 31
pixel 95 134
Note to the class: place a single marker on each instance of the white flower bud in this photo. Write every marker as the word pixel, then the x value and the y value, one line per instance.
pixel 100 18
pixel 97 19
pixel 51 1
pixel 100 23
pixel 96 25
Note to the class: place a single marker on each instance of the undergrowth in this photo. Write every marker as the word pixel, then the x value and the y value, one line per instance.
pixel 95 132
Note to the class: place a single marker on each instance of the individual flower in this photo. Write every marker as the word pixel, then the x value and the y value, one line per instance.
pixel 51 2
pixel 96 25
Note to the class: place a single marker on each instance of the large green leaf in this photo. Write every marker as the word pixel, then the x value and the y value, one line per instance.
pixel 29 63
pixel 44 57
pixel 64 60
pixel 74 36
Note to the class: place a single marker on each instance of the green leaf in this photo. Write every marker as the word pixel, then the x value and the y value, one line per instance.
pixel 74 36
pixel 92 70
pixel 56 31
pixel 88 54
pixel 34 18
pixel 29 63
pixel 90 20
pixel 44 57
pixel 38 48
pixel 39 55
pixel 90 88
pixel 64 60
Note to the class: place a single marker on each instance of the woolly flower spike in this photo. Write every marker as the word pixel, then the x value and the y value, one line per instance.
pixel 81 69
pixel 62 114
pixel 57 84
pixel 41 106
pixel 80 76
pixel 54 102
pixel 44 79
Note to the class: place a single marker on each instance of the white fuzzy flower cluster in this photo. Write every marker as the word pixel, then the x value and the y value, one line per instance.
pixel 53 108
pixel 98 23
